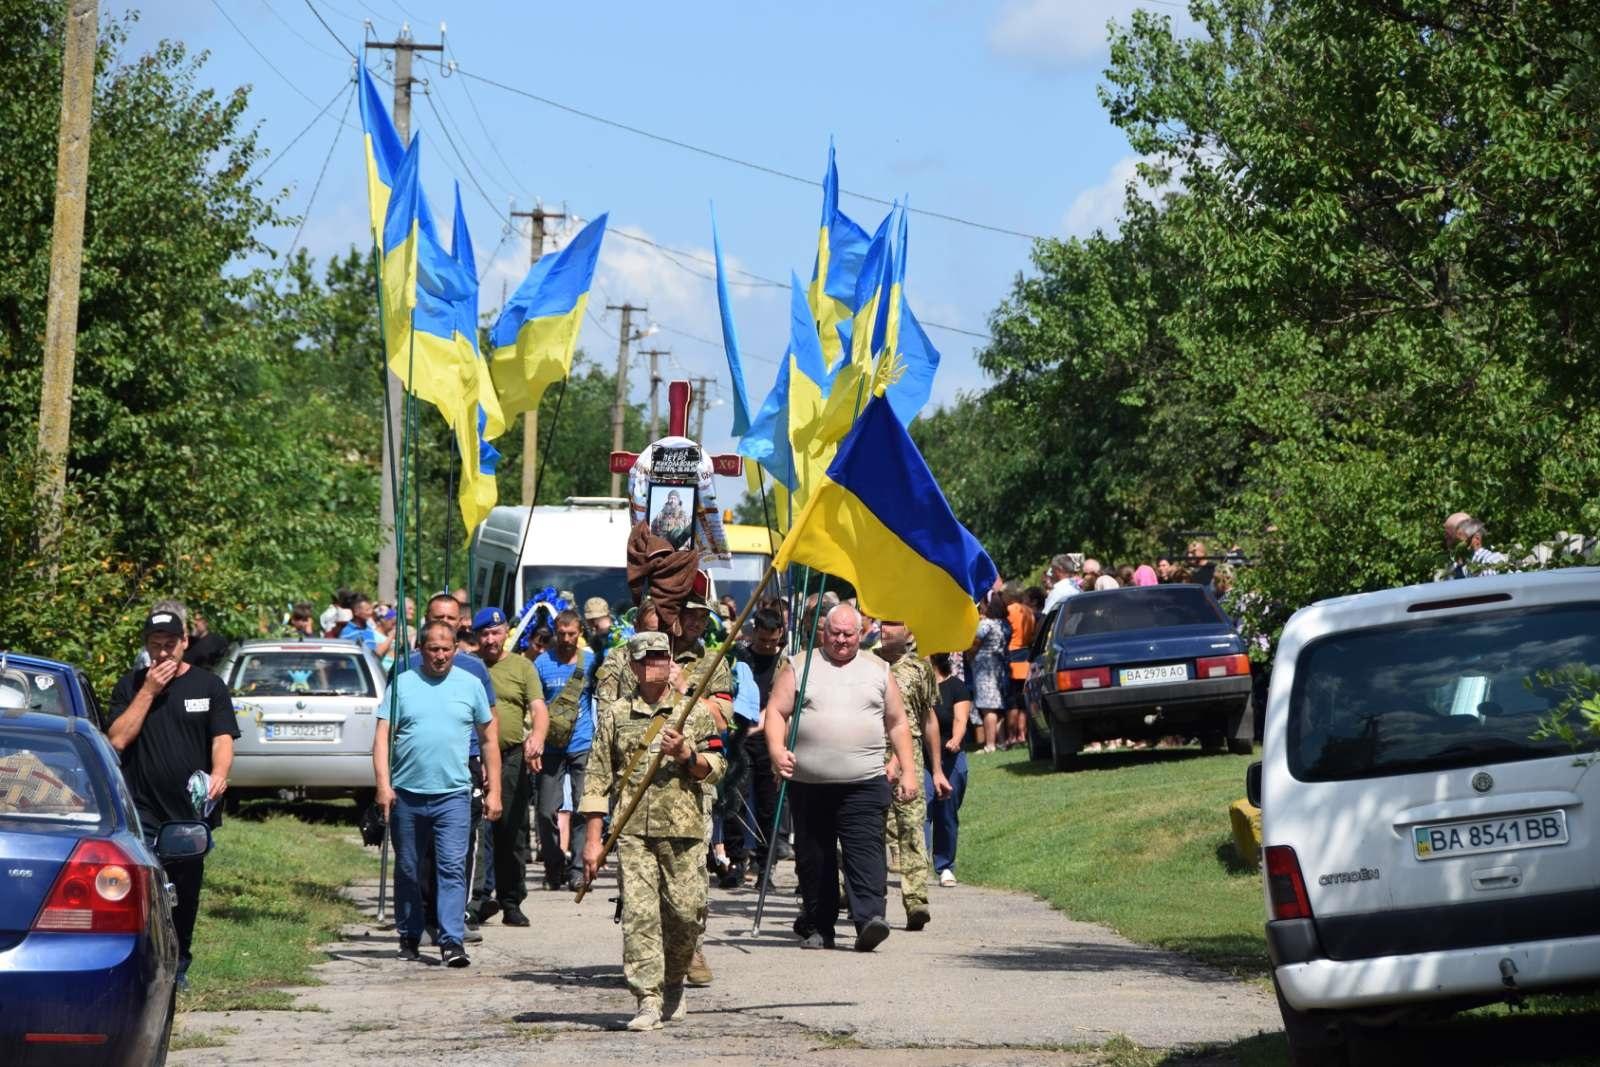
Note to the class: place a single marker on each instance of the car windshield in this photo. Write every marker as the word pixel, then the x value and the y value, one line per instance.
pixel 609 583
pixel 737 577
pixel 1137 609
pixel 1426 696
pixel 40 690
pixel 317 672
pixel 47 779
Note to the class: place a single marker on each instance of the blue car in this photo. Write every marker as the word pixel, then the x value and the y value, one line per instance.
pixel 88 951
pixel 1140 663
pixel 50 686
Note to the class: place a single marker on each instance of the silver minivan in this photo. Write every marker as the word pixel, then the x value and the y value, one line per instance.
pixel 1427 845
pixel 306 717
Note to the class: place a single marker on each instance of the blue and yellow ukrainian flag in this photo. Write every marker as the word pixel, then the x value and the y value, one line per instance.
pixel 848 390
pixel 533 340
pixel 383 152
pixel 841 252
pixel 730 340
pixel 479 491
pixel 878 520
pixel 398 242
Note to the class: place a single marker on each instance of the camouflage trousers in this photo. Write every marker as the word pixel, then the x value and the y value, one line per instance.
pixel 663 908
pixel 903 829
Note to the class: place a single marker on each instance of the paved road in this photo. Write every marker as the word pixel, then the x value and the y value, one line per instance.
pixel 998 978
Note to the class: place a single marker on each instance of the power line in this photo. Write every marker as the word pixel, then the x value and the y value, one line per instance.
pixel 337 39
pixel 482 125
pixel 735 160
pixel 447 121
pixel 308 42
pixel 262 173
pixel 262 55
pixel 337 133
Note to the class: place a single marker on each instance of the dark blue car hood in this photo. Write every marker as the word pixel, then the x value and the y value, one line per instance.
pixel 1162 644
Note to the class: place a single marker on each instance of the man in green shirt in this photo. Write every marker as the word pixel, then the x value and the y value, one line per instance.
pixel 523 720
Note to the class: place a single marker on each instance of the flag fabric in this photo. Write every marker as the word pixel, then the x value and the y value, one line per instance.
pixel 878 520
pixel 533 340
pixel 849 389
pixel 780 430
pixel 730 340
pixel 909 379
pixel 441 366
pixel 841 251
pixel 384 153
pixel 494 423
pixel 479 492
pixel 399 263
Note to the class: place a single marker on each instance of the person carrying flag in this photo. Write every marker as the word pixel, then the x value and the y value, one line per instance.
pixel 662 850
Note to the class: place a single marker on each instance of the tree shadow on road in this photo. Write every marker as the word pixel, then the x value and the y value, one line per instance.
pixel 598 975
pixel 1107 761
pixel 1080 956
pixel 576 1020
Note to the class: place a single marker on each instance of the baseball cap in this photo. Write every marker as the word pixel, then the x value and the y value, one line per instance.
pixel 641 645
pixel 596 608
pixel 163 622
pixel 487 617
pixel 385 612
pixel 700 597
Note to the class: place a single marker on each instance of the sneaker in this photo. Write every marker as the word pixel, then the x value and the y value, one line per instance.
pixel 410 951
pixel 947 878
pixel 917 919
pixel 672 1008
pixel 803 929
pixel 513 916
pixel 453 954
pixel 815 940
pixel 649 1017
pixel 872 934
pixel 471 937
pixel 481 911
pixel 699 973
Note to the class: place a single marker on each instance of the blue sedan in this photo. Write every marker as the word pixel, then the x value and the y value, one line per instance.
pixel 49 686
pixel 1138 663
pixel 88 952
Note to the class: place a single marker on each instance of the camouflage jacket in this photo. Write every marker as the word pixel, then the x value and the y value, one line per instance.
pixel 614 680
pixel 919 693
pixel 674 803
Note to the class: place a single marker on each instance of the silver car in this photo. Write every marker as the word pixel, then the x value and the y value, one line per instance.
pixel 306 717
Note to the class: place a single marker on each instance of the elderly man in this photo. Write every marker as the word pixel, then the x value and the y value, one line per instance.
pixel 837 780
pixel 1062 572
pixel 662 849
pixel 425 790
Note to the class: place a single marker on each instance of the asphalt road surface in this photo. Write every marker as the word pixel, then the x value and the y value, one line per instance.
pixel 997 978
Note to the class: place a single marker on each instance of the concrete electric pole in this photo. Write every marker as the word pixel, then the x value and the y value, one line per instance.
pixel 66 266
pixel 625 337
pixel 530 421
pixel 700 398
pixel 655 390
pixel 388 564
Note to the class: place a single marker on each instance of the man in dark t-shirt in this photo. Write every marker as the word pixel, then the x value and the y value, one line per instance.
pixel 206 646
pixel 762 655
pixel 168 721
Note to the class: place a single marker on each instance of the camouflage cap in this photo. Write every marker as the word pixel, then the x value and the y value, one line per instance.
pixel 596 608
pixel 641 645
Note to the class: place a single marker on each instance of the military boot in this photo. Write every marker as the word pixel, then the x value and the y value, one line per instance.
pixel 672 1008
pixel 699 972
pixel 649 1017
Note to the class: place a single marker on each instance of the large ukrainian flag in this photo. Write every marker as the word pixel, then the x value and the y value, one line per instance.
pixel 879 521
pixel 399 241
pixel 841 252
pixel 383 152
pixel 533 340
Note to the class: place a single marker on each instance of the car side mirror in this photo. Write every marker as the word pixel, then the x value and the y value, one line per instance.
pixel 185 840
pixel 1252 784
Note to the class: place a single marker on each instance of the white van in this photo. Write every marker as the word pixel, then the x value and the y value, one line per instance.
pixel 580 545
pixel 1423 851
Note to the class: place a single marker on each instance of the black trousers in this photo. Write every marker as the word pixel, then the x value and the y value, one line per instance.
pixel 833 822
pixel 764 789
pixel 185 876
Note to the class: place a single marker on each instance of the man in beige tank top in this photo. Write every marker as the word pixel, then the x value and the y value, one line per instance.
pixel 839 791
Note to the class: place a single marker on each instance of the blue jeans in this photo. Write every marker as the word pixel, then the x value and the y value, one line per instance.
pixel 944 816
pixel 445 820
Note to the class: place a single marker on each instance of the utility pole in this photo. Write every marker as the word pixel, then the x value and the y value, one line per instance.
pixel 530 421
pixel 66 267
pixel 700 408
pixel 624 338
pixel 655 388
pixel 388 564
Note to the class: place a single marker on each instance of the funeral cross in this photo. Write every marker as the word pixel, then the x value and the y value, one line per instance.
pixel 678 397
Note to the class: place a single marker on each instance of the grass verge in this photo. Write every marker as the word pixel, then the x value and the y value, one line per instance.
pixel 271 897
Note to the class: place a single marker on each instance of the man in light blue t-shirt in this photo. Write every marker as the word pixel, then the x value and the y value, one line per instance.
pixel 570 714
pixel 425 790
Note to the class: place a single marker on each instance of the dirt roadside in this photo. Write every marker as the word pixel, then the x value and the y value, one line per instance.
pixel 997 979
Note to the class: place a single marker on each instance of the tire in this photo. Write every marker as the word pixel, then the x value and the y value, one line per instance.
pixel 1316 1038
pixel 1240 747
pixel 1241 731
pixel 364 798
pixel 1038 746
pixel 1212 742
pixel 1065 741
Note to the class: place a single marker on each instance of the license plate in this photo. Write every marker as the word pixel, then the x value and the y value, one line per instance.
pixel 1467 837
pixel 302 731
pixel 1171 672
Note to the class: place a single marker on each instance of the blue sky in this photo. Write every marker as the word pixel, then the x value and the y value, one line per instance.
pixel 984 110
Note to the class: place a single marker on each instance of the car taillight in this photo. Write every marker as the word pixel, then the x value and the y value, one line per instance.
pixel 1285 887
pixel 1088 678
pixel 1221 666
pixel 100 890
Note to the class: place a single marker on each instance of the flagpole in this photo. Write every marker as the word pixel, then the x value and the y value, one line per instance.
pixel 450 506
pixel 538 481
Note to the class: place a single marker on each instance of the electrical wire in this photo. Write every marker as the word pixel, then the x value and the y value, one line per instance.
pixel 262 173
pixel 337 39
pixel 447 121
pixel 735 160
pixel 262 55
pixel 308 42
pixel 493 141
pixel 320 175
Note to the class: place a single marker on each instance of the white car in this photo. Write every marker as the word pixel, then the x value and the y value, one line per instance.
pixel 1423 851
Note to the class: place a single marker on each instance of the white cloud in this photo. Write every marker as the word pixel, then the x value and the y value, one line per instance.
pixel 1059 34
pixel 1100 207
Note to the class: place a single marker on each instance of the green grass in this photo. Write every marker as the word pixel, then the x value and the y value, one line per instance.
pixel 184 1038
pixel 1136 841
pixel 271 897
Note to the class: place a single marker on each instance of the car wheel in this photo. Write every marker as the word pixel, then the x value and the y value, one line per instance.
pixel 1241 729
pixel 1038 744
pixel 365 798
pixel 1316 1038
pixel 1240 747
pixel 1212 741
pixel 1064 744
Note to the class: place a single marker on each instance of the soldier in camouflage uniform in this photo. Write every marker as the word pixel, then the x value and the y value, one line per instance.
pixel 904 826
pixel 662 849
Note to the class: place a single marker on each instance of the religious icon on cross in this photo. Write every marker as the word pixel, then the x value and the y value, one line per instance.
pixel 671 485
